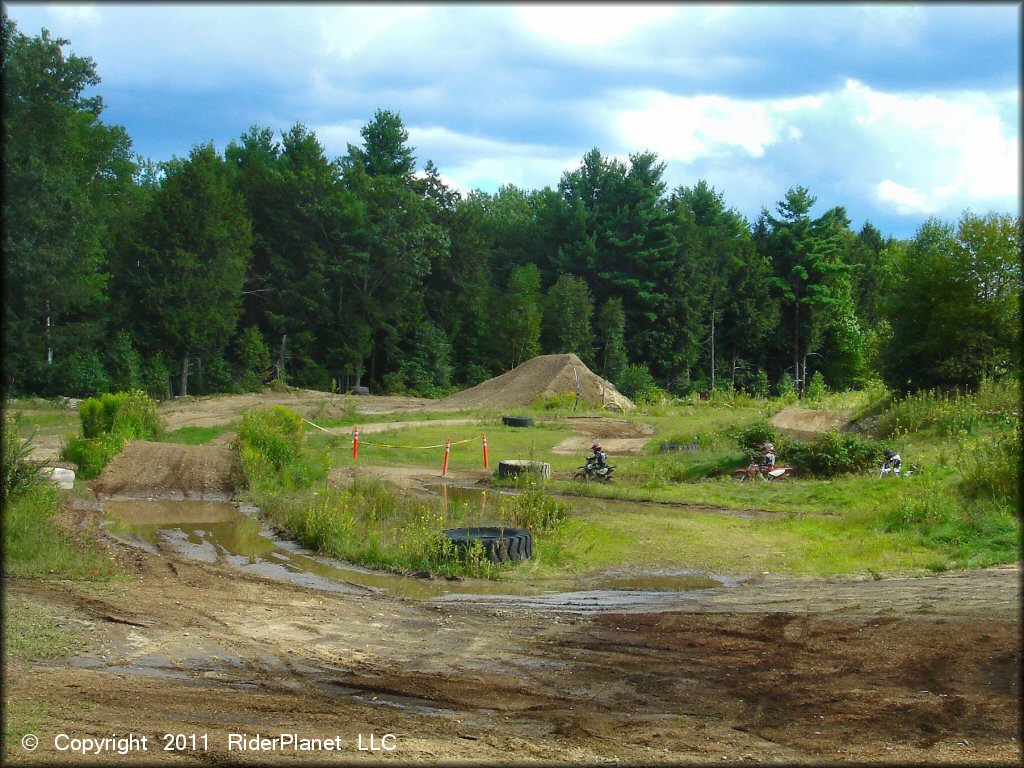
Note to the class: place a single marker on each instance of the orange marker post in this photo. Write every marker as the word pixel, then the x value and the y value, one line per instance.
pixel 485 452
pixel 447 450
pixel 355 444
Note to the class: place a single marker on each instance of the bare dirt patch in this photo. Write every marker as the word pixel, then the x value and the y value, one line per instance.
pixel 199 646
pixel 170 470
pixel 806 424
pixel 541 376
pixel 408 478
pixel 311 404
pixel 617 436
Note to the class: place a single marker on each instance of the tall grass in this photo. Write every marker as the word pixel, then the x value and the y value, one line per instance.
pixel 108 423
pixel 954 413
pixel 367 523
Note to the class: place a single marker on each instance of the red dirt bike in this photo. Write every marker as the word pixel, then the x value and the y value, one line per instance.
pixel 762 471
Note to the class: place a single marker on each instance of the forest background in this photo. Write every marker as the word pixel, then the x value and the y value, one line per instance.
pixel 222 272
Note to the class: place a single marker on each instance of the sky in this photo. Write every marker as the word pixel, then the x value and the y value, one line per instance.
pixel 897 112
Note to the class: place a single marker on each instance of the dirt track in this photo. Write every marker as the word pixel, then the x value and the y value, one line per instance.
pixel 775 670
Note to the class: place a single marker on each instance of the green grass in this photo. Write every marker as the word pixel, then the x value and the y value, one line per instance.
pixel 35 546
pixel 31 633
pixel 195 435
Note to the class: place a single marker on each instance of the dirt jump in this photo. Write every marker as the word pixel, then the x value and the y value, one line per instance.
pixel 542 376
pixel 806 424
pixel 171 471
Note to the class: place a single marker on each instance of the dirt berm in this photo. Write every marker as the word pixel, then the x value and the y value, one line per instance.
pixel 540 377
pixel 171 471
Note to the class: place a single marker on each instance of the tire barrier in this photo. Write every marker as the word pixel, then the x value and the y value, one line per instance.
pixel 517 421
pixel 499 544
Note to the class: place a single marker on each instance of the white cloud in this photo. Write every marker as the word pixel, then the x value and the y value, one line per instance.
pixel 913 153
pixel 586 25
pixel 475 162
pixel 685 128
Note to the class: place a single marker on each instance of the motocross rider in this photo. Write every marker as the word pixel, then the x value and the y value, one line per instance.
pixel 893 459
pixel 768 456
pixel 600 458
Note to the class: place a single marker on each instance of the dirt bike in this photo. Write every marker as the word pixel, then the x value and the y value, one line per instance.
pixel 763 471
pixel 889 468
pixel 590 471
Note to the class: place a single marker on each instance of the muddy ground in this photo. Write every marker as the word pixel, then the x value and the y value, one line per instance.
pixel 773 670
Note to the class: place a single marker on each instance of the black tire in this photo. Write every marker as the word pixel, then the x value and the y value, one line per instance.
pixel 500 544
pixel 581 475
pixel 517 421
pixel 741 477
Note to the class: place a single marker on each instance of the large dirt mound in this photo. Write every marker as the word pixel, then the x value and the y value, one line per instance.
pixel 807 424
pixel 169 470
pixel 542 376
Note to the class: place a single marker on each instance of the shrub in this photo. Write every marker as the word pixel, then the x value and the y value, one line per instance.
pixel 20 474
pixel 273 435
pixel 253 358
pixel 786 386
pixel 758 384
pixel 751 438
pixel 835 453
pixel 947 414
pixel 993 466
pixel 558 401
pixel 155 374
pixel 108 422
pixel 534 509
pixel 816 388
pixel 636 382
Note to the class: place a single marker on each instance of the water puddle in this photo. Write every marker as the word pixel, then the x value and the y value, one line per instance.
pixel 225 532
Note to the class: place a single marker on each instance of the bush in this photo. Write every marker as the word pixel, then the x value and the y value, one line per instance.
pixel 559 401
pixel 786 386
pixel 271 435
pixel 108 422
pixel 253 358
pixel 155 374
pixel 835 453
pixel 751 439
pixel 20 474
pixel 636 382
pixel 993 466
pixel 758 384
pixel 533 509
pixel 816 388
pixel 948 414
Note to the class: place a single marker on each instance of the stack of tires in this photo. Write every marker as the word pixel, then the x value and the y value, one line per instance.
pixel 500 544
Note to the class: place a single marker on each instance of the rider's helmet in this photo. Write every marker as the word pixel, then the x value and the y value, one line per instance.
pixel 595 447
pixel 768 447
pixel 888 453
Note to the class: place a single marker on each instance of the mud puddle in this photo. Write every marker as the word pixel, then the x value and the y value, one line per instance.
pixel 225 532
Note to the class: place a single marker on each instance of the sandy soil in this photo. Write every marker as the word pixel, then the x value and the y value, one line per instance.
pixel 539 377
pixel 313 405
pixel 806 424
pixel 617 436
pixel 170 470
pixel 923 670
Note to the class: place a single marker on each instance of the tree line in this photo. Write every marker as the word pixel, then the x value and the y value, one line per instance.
pixel 221 271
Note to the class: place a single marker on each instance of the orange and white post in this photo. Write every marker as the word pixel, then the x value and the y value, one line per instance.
pixel 355 444
pixel 447 450
pixel 485 452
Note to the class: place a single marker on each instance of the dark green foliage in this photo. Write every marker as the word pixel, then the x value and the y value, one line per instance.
pixel 954 308
pixel 81 374
pixel 426 368
pixel 253 359
pixel 835 453
pixel 65 177
pixel 636 382
pixel 520 316
pixel 568 307
pixel 125 364
pixel 610 334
